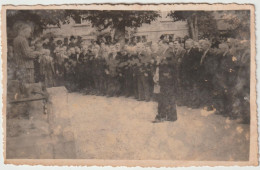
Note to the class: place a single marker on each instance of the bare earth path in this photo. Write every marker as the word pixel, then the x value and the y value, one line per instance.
pixel 122 128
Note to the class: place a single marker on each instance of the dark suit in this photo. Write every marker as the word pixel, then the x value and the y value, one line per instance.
pixel 243 90
pixel 71 45
pixel 81 67
pixel 177 56
pixel 126 77
pixel 143 77
pixel 87 60
pixel 209 65
pixel 189 75
pixel 113 84
pixel 135 70
pixel 99 65
pixel 226 77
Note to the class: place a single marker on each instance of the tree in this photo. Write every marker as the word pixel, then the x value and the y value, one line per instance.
pixel 116 20
pixel 39 19
pixel 238 21
pixel 200 23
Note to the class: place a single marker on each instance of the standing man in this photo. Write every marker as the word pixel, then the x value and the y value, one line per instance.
pixel 143 74
pixel 189 74
pixel 113 85
pixel 208 67
pixel 51 46
pixel 226 80
pixel 128 73
pixel 90 69
pixel 24 55
pixel 178 53
pixel 72 42
pixel 82 72
pixel 168 89
pixel 65 42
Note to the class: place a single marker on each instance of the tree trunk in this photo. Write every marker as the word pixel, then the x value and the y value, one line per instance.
pixel 196 30
pixel 119 35
pixel 191 27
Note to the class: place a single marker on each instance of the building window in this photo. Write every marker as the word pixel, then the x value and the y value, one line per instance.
pixel 78 20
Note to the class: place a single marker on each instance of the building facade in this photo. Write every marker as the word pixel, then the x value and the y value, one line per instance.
pixel 83 29
pixel 161 26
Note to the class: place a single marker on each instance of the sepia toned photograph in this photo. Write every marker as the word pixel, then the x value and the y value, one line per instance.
pixel 132 85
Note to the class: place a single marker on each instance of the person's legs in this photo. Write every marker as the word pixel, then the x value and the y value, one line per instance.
pixel 161 113
pixel 166 105
pixel 194 96
pixel 245 110
pixel 135 86
pixel 80 78
pixel 95 83
pixel 146 88
pixel 117 86
pixel 121 81
pixel 128 84
pixel 110 87
pixel 218 102
pixel 102 84
pixel 172 112
pixel 170 100
pixel 140 87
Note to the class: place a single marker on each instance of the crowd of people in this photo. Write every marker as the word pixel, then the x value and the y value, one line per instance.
pixel 190 73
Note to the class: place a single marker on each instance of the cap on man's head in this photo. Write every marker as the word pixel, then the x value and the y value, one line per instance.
pixel 72 38
pixel 59 42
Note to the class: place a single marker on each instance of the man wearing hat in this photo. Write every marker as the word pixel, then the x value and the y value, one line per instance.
pixel 24 55
pixel 72 42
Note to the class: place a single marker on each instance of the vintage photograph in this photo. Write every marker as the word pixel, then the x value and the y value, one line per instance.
pixel 130 82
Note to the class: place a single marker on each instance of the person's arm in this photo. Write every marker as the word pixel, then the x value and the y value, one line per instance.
pixel 27 51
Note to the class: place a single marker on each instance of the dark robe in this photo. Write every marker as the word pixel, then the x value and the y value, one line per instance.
pixel 143 77
pixel 81 67
pixel 168 89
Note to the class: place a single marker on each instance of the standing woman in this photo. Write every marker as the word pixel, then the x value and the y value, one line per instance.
pixel 168 90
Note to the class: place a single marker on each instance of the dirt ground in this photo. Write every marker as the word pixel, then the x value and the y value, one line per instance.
pixel 122 128
pixel 92 127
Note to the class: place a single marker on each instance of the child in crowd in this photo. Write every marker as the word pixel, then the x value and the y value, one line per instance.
pixel 47 68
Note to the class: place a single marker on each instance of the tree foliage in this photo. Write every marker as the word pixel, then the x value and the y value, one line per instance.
pixel 239 21
pixel 200 23
pixel 117 20
pixel 40 19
